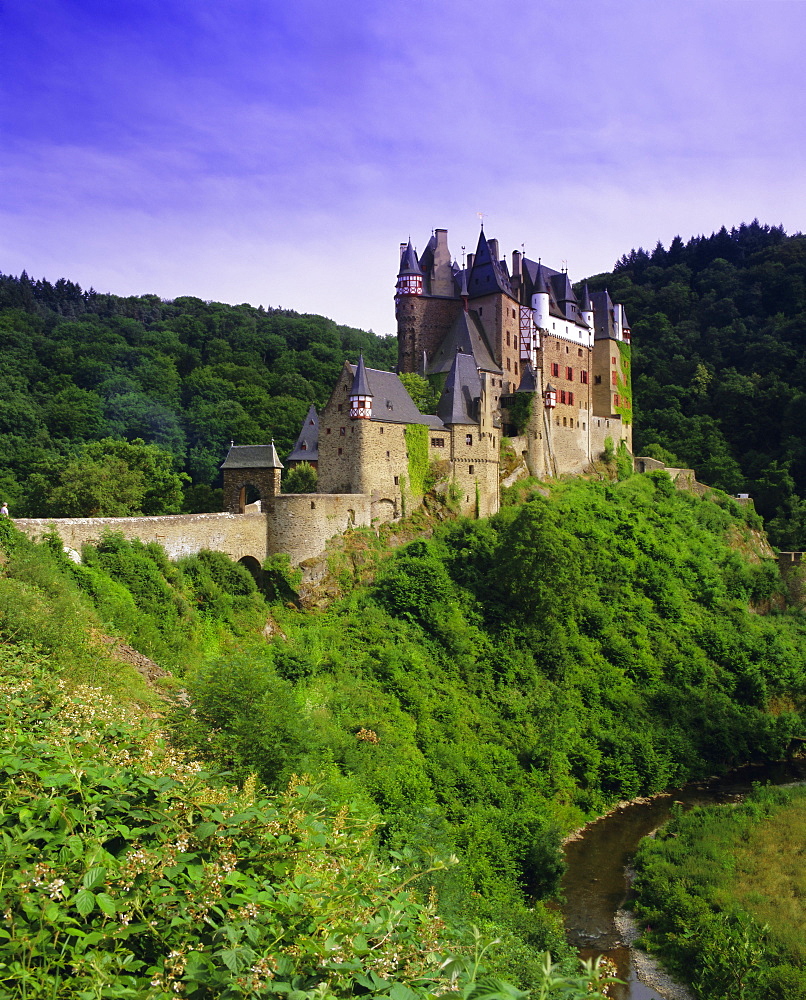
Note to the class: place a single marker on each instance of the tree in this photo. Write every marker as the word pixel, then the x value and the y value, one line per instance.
pixel 114 478
pixel 301 479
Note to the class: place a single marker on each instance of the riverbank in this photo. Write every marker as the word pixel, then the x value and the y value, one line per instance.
pixel 647 968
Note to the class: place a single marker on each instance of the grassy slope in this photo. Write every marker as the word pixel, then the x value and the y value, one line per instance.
pixel 491 688
pixel 722 890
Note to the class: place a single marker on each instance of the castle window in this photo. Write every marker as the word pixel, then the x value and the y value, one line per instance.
pixel 613 360
pixel 614 378
pixel 583 426
pixel 327 431
pixel 437 442
pixel 583 377
pixel 565 422
pixel 388 454
pixel 508 344
pixel 342 432
pixel 597 379
pixel 381 430
pixel 615 399
pixel 468 439
pixel 569 374
pixel 516 367
pixel 397 480
pixel 481 308
pixel 566 346
pixel 570 399
pixel 470 469
pixel 579 351
pixel 555 369
pixel 304 446
pixel 341 450
pixel 509 366
pixel 313 505
pixel 562 395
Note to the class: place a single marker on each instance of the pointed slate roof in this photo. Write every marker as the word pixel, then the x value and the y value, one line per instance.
pixel 585 304
pixel 306 448
pixel 408 262
pixel 487 275
pixel 360 385
pixel 391 402
pixel 458 402
pixel 427 256
pixel 528 381
pixel 466 335
pixel 252 456
pixel 604 316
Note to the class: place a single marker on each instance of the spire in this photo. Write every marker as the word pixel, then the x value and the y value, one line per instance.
pixel 360 393
pixel 585 304
pixel 274 458
pixel 408 261
pixel 360 381
pixel 541 288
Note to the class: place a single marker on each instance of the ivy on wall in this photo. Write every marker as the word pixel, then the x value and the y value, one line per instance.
pixel 520 410
pixel 624 409
pixel 416 436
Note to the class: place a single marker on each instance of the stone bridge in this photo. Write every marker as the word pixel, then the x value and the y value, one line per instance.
pixel 298 524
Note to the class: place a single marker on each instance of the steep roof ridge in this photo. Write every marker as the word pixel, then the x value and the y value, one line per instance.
pixel 462 388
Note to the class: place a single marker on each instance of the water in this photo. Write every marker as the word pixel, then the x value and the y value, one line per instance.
pixel 595 883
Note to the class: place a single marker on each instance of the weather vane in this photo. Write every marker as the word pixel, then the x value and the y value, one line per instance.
pixel 482 216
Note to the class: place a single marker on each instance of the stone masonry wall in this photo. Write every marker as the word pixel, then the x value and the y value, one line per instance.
pixel 180 535
pixel 301 523
pixel 422 322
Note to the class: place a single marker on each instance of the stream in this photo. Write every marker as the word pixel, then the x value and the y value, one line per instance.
pixel 595 883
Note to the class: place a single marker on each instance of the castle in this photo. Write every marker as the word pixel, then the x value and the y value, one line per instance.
pixel 510 353
pixel 506 352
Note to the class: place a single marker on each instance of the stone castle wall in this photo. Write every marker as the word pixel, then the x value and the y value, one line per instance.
pixel 238 535
pixel 302 523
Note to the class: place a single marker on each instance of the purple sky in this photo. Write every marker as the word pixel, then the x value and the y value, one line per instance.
pixel 277 153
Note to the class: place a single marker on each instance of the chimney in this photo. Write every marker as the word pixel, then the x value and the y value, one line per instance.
pixel 470 258
pixel 493 245
pixel 516 263
pixel 402 249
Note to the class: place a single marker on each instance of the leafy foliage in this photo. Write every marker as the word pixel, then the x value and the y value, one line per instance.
pixel 301 479
pixel 185 377
pixel 718 375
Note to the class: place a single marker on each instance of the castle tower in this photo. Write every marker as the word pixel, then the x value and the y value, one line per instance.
pixel 250 465
pixel 426 301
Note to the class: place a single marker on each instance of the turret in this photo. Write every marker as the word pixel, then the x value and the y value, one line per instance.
pixel 586 306
pixel 360 394
pixel 410 275
pixel 540 301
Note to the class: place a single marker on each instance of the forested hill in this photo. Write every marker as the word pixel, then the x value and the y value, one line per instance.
pixel 719 330
pixel 78 367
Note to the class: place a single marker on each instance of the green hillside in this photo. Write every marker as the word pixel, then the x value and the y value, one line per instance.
pixel 719 373
pixel 480 693
pixel 78 368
